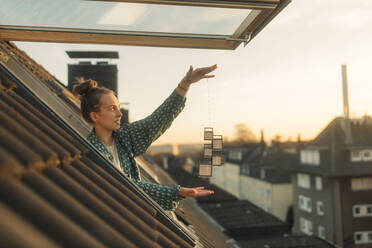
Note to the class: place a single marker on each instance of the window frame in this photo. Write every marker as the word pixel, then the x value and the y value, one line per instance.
pixel 302 177
pixel 364 237
pixel 319 205
pixel 263 11
pixel 306 226
pixel 320 227
pixel 363 210
pixel 318 183
pixel 305 203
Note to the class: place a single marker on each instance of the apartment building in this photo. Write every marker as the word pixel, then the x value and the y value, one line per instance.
pixel 332 184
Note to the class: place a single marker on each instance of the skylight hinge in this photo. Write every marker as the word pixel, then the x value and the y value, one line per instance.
pixel 246 39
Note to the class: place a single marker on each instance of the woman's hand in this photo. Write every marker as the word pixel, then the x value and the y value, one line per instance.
pixel 194 192
pixel 193 76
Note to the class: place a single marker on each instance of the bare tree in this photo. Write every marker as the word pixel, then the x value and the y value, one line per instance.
pixel 243 134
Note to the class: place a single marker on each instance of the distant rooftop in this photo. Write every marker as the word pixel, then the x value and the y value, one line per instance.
pixel 93 54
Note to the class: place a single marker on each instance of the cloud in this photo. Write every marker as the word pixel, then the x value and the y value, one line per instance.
pixel 123 14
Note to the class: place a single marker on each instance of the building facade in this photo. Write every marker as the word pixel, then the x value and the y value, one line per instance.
pixel 332 184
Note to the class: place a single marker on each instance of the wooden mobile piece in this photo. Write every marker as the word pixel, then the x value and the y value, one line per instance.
pixel 208 133
pixel 217 142
pixel 208 151
pixel 205 168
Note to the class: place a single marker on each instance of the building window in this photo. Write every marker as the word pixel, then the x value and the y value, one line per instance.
pixel 320 208
pixel 367 155
pixel 356 211
pixel 306 226
pixel 363 183
pixel 268 194
pixel 303 158
pixel 303 180
pixel 316 157
pixel 310 157
pixel 362 210
pixel 235 155
pixel 245 169
pixel 358 155
pixel 363 237
pixel 305 203
pixel 262 173
pixel 321 232
pixel 239 156
pixel 318 183
pixel 369 210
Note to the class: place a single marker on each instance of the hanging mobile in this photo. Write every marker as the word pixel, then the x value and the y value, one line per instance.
pixel 205 168
pixel 212 152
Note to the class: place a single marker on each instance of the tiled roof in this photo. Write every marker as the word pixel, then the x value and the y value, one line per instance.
pixel 218 203
pixel 292 241
pixel 242 218
pixel 248 224
pixel 187 180
pixel 361 133
pixel 276 165
pixel 250 151
pixel 209 233
pixel 57 188
pixel 42 74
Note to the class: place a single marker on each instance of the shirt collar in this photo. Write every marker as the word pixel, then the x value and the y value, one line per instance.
pixel 93 138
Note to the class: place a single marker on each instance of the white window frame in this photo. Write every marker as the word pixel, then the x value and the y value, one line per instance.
pixel 355 208
pixel 321 231
pixel 303 157
pixel 262 173
pixel 318 183
pixel 304 180
pixel 310 157
pixel 360 155
pixel 363 210
pixel 364 237
pixel 355 155
pixel 235 155
pixel 245 169
pixel 319 205
pixel 369 157
pixel 362 183
pixel 306 226
pixel 304 203
pixel 316 157
pixel 268 194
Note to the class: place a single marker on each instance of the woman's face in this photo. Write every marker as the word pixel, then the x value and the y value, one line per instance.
pixel 109 115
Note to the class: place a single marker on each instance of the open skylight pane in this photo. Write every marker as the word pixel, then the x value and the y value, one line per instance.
pixel 112 16
pixel 204 24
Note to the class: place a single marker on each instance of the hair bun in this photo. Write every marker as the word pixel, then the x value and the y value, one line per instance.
pixel 84 87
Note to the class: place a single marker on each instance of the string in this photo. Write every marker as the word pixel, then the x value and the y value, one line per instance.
pixel 209 104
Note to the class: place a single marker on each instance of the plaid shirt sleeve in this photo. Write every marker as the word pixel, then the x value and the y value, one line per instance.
pixel 144 132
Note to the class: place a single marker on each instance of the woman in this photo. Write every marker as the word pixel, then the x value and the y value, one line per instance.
pixel 120 144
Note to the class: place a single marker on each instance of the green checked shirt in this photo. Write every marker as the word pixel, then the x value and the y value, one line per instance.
pixel 134 138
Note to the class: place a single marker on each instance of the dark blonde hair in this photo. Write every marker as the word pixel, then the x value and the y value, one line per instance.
pixel 90 95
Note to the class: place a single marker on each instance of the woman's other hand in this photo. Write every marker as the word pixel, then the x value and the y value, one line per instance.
pixel 194 192
pixel 193 76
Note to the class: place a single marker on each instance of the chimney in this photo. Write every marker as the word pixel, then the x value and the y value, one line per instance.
pixel 262 136
pixel 345 91
pixel 346 121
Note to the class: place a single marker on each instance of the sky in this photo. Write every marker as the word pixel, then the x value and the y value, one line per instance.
pixel 286 81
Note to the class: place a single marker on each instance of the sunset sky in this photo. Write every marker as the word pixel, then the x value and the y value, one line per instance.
pixel 287 80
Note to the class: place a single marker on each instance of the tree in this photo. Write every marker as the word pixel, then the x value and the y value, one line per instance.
pixel 243 134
